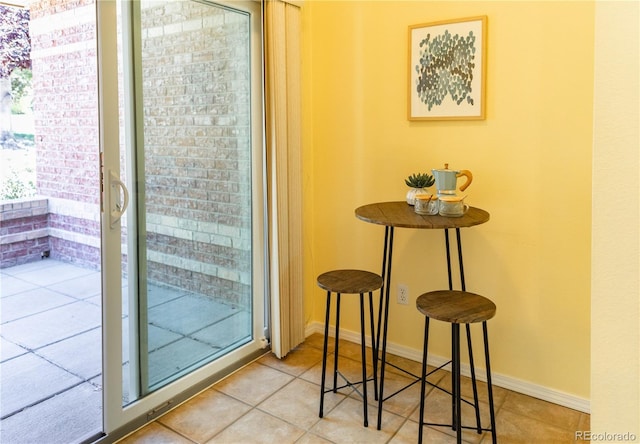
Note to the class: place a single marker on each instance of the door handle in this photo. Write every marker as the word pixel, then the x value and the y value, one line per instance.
pixel 117 207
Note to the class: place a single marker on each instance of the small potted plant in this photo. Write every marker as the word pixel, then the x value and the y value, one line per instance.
pixel 418 182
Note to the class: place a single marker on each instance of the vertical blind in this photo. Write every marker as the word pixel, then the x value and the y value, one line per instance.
pixel 284 165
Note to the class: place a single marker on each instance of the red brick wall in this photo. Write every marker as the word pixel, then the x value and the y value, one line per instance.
pixel 197 141
pixel 72 251
pixel 24 231
pixel 45 8
pixel 197 146
pixel 66 103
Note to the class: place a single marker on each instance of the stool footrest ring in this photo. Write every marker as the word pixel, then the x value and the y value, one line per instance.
pixel 435 424
pixel 347 384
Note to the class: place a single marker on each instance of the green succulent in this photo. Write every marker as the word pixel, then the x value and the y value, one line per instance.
pixel 419 180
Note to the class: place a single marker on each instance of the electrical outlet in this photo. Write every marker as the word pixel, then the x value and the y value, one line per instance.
pixel 403 294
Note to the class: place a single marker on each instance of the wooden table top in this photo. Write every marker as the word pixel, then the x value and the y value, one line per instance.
pixel 401 214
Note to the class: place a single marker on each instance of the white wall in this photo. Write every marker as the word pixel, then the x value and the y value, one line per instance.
pixel 615 301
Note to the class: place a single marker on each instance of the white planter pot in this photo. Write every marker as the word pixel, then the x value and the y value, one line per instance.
pixel 413 192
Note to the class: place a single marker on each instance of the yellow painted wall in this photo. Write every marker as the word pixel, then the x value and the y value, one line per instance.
pixel 531 160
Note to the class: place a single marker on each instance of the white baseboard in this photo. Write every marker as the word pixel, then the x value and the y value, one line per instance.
pixel 507 382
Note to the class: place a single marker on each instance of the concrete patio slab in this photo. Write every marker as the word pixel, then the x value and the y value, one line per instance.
pixel 159 337
pixel 54 325
pixel 188 314
pixel 82 287
pixel 28 379
pixel 175 357
pixel 80 355
pixel 227 331
pixel 157 294
pixel 51 336
pixel 9 350
pixel 31 302
pixel 10 285
pixel 55 273
pixel 33 266
pixel 68 417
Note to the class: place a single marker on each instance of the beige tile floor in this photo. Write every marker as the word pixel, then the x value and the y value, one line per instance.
pixel 276 401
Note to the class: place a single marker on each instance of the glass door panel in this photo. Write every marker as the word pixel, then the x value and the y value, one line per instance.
pixel 189 247
pixel 194 178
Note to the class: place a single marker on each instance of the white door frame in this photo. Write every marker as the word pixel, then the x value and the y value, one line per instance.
pixel 115 415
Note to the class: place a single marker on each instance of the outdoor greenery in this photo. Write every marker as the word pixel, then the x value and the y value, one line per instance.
pixel 21 90
pixel 15 42
pixel 17 169
pixel 15 187
pixel 17 152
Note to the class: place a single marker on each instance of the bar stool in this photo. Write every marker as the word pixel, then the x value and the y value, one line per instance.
pixel 350 282
pixel 457 307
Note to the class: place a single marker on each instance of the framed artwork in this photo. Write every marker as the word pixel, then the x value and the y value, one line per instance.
pixel 447 70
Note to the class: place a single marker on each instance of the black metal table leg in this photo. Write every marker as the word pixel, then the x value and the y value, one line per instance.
pixel 455 343
pixel 457 420
pixel 446 241
pixel 450 276
pixel 494 436
pixel 386 276
pixel 462 283
pixel 399 214
pixel 471 363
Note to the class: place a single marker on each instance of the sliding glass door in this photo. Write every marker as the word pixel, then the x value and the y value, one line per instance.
pixel 183 226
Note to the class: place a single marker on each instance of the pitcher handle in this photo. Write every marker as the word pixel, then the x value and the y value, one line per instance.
pixel 469 177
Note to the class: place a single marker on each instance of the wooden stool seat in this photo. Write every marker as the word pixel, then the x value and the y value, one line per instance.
pixel 350 282
pixel 456 307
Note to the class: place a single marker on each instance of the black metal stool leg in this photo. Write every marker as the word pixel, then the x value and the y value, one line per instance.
pixel 374 348
pixel 494 436
pixel 335 352
pixel 324 353
pixel 363 347
pixel 423 381
pixel 350 281
pixel 457 308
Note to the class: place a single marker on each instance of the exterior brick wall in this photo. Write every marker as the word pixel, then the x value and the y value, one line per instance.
pixel 68 240
pixel 24 232
pixel 65 105
pixel 197 148
pixel 197 144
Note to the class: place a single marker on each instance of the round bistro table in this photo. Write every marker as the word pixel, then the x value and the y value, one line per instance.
pixel 402 215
